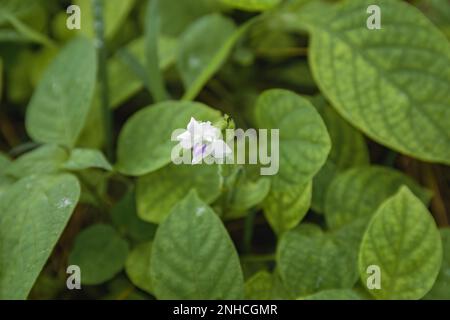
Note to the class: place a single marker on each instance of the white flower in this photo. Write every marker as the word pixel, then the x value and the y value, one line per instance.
pixel 204 139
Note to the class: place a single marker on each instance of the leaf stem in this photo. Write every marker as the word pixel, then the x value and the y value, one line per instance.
pixel 103 76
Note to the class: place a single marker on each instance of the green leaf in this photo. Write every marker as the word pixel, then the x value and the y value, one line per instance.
pixel 4 163
pixel 392 83
pixel 125 218
pixel 265 286
pixel 252 5
pixel 45 159
pixel 348 150
pixel 440 290
pixel 5 181
pixel 199 57
pixel 310 261
pixel 81 159
pixel 59 29
pixel 155 77
pixel 1 79
pixel 364 189
pixel 121 288
pixel 19 85
pixel 60 104
pixel 34 213
pixel 438 11
pixel 39 63
pixel 145 141
pixel 304 142
pixel 296 74
pixel 334 294
pixel 177 15
pixel 249 193
pixel 285 209
pixel 123 84
pixel 123 81
pixel 259 286
pixel 348 238
pixel 26 31
pixel 243 189
pixel 279 290
pixel 100 253
pixel 7 35
pixel 403 241
pixel 18 8
pixel 193 256
pixel 159 191
pixel 115 13
pixel 137 266
pixel 303 147
pixel 94 187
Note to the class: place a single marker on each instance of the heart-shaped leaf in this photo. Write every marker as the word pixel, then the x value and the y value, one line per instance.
pixel 259 286
pixel 243 189
pixel 285 209
pixel 145 143
pixel 137 266
pixel 34 213
pixel 199 57
pixel 100 253
pixel 348 150
pixel 43 160
pixel 59 106
pixel 304 142
pixel 193 256
pixel 392 83
pixel 159 191
pixel 310 261
pixel 440 290
pixel 364 189
pixel 81 159
pixel 403 241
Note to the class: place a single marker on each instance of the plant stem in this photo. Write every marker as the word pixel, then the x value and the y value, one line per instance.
pixel 248 231
pixel 155 77
pixel 103 76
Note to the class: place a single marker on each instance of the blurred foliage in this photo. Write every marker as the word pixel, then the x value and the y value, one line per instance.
pixel 364 120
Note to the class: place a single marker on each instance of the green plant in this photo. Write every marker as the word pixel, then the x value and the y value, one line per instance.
pixel 86 177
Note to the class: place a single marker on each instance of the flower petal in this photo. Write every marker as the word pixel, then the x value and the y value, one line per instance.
pixel 210 133
pixel 220 149
pixel 197 153
pixel 185 140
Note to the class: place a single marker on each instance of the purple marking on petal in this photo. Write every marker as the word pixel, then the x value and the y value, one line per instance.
pixel 199 149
